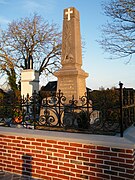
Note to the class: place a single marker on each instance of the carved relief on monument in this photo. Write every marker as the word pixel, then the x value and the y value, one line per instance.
pixel 67 50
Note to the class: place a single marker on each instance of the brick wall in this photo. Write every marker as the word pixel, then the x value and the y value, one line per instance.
pixel 50 159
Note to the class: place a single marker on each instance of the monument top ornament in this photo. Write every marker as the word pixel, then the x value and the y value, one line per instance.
pixel 68 13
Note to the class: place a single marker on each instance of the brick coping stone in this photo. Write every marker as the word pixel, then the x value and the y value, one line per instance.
pixel 128 141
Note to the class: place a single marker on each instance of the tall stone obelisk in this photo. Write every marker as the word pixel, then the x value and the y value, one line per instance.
pixel 71 78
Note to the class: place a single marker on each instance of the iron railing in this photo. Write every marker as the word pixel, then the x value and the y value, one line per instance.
pixel 53 112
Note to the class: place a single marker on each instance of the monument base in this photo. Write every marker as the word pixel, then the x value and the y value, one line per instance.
pixel 29 82
pixel 72 83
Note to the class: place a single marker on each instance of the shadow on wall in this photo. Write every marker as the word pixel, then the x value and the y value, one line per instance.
pixel 27 165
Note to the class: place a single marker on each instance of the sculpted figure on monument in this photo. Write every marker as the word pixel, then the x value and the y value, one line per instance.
pixel 68 58
pixel 29 62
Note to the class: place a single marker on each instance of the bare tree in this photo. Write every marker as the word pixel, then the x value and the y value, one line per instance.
pixel 119 34
pixel 30 37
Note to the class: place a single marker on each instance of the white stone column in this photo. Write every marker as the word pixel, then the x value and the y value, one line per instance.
pixel 29 82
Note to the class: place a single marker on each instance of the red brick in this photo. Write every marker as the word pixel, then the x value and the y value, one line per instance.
pixel 21 138
pixel 71 157
pixel 69 165
pixel 89 173
pixel 59 155
pixel 63 143
pixel 96 152
pixel 129 151
pixel 96 161
pixel 46 161
pixel 84 150
pixel 36 151
pixel 103 157
pixel 63 151
pixel 129 171
pixel 75 153
pixel 76 162
pixel 30 147
pixel 57 171
pixel 82 167
pixel 96 169
pixel 118 150
pixel 102 166
pixel 82 176
pixel 16 141
pixel 36 143
pixel 4 143
pixel 90 146
pixel 39 163
pixel 129 161
pixel 12 144
pixel 30 139
pixel 40 140
pixel 117 178
pixel 16 148
pixel 51 174
pixel 7 140
pixel 126 156
pixel 111 163
pixel 70 148
pixel 21 145
pixel 103 148
pixel 117 159
pixel 104 176
pixel 52 157
pixel 63 177
pixel 64 168
pixel 110 172
pixel 89 155
pixel 41 156
pixel 40 148
pixel 11 151
pixel 40 172
pixel 11 137
pixel 16 163
pixel 129 176
pixel 7 162
pixel 63 160
pixel 118 169
pixel 83 159
pixel 130 166
pixel 58 146
pixel 58 163
pixel 52 166
pixel 75 144
pixel 46 145
pixel 110 153
pixel 76 170
pixel 51 149
pixel 17 171
pixel 51 141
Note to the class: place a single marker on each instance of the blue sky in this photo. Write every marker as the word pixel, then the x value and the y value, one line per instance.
pixel 102 71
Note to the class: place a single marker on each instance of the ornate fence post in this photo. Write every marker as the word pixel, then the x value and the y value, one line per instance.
pixel 121 109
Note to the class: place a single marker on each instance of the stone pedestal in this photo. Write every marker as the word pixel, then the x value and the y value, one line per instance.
pixel 72 83
pixel 29 82
pixel 71 78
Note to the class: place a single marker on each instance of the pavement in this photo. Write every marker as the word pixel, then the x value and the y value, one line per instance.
pixel 9 176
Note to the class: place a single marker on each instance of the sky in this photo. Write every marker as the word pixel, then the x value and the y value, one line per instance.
pixel 103 72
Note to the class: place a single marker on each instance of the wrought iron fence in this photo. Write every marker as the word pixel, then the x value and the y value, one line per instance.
pixel 52 112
